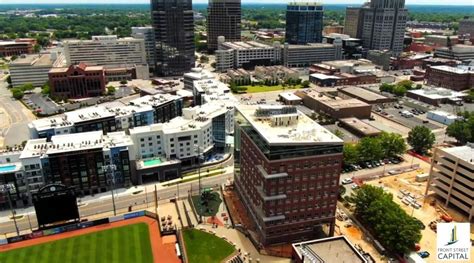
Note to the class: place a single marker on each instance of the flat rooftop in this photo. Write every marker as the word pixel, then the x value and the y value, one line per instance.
pixel 465 153
pixel 456 70
pixel 311 45
pixel 34 60
pixel 347 63
pixel 290 96
pixel 437 93
pixel 241 45
pixel 301 130
pixel 331 249
pixel 360 126
pixel 363 93
pixel 336 102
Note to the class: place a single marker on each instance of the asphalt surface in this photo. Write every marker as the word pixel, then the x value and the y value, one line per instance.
pixel 123 202
pixel 46 106
pixel 15 130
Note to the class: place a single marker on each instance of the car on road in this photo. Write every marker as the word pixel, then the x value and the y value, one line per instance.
pixel 347 181
pixel 424 254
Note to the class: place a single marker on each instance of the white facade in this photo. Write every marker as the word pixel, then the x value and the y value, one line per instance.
pixel 237 54
pixel 179 138
pixel 106 51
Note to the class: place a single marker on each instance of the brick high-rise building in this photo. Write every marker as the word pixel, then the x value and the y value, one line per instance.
pixel 304 23
pixel 77 81
pixel 173 23
pixel 287 171
pixel 223 19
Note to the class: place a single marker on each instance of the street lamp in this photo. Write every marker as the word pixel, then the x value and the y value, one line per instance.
pixel 6 188
pixel 199 181
pixel 110 171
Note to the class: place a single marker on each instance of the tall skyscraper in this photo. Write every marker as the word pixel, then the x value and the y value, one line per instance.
pixel 380 24
pixel 304 22
pixel 353 22
pixel 174 36
pixel 223 19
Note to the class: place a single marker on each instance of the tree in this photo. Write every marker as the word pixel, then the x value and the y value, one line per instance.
pixel 370 149
pixel 421 139
pixel 37 48
pixel 111 90
pixel 123 82
pixel 418 86
pixel 390 224
pixel 17 93
pixel 305 84
pixel 470 96
pixel 27 86
pixel 392 144
pixel 204 59
pixel 399 91
pixel 407 84
pixel 462 130
pixel 46 89
pixel 385 87
pixel 350 153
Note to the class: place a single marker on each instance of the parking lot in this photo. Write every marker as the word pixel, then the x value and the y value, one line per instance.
pixel 412 119
pixel 41 104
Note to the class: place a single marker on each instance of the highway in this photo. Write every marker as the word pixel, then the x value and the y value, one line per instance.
pixel 123 202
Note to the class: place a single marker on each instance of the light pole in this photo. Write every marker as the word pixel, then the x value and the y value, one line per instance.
pixel 199 182
pixel 110 171
pixel 6 188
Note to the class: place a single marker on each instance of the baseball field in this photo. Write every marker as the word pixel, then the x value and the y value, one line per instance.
pixel 118 242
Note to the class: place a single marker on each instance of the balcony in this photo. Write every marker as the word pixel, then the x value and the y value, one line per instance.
pixel 269 197
pixel 270 176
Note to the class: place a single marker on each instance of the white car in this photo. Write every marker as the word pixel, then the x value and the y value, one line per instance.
pixel 347 181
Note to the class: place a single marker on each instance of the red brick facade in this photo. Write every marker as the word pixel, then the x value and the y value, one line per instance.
pixel 450 79
pixel 77 81
pixel 15 49
pixel 288 199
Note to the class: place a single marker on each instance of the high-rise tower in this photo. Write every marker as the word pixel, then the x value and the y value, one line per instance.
pixel 380 24
pixel 223 19
pixel 304 22
pixel 173 23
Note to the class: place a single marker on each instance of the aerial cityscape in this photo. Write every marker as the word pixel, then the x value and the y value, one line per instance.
pixel 232 131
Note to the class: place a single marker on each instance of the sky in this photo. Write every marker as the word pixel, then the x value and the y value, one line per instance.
pixel 418 2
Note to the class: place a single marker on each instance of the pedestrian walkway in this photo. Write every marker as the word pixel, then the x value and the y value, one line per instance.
pixel 189 211
pixel 183 214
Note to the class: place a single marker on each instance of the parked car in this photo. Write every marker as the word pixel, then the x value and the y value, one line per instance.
pixel 424 254
pixel 347 181
pixel 354 187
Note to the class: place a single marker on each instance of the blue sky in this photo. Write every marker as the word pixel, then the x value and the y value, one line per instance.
pixel 434 2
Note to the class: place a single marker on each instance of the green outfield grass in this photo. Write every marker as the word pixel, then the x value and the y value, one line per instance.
pixel 202 247
pixel 122 244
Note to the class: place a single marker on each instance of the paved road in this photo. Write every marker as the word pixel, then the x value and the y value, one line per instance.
pixel 123 202
pixel 14 118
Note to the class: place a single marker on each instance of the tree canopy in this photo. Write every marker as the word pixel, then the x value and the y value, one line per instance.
pixel 385 145
pixel 421 139
pixel 389 223
pixel 462 130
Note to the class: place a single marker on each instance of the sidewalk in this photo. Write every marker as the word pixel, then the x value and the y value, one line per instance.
pixel 120 192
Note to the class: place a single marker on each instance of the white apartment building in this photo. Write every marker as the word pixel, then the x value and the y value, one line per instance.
pixel 245 54
pixel 196 74
pixel 106 51
pixel 182 138
pixel 452 177
pixel 34 68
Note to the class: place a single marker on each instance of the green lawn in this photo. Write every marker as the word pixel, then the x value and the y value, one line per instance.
pixel 123 244
pixel 263 88
pixel 202 247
